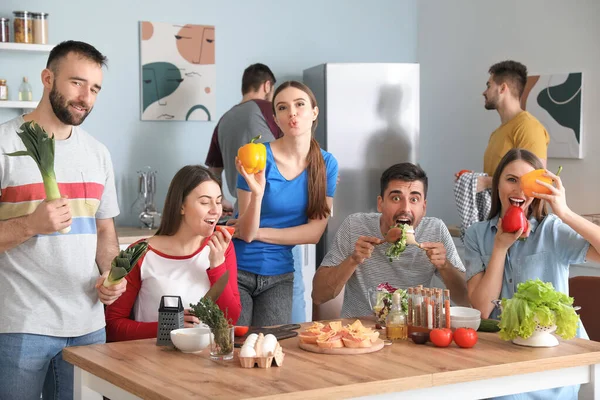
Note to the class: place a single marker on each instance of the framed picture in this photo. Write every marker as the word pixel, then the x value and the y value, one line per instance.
pixel 555 100
pixel 178 72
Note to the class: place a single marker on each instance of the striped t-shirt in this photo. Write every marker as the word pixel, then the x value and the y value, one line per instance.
pixel 47 282
pixel 412 269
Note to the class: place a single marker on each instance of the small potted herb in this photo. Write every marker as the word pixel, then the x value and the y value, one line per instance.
pixel 221 340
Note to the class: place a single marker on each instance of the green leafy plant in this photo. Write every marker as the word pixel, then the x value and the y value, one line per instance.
pixel 537 302
pixel 40 146
pixel 209 313
pixel 124 262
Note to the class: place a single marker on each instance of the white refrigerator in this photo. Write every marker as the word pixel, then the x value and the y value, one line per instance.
pixel 369 120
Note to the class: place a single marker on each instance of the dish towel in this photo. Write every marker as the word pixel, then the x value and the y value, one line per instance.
pixel 472 206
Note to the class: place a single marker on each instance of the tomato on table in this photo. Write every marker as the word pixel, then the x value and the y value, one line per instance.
pixel 441 337
pixel 240 330
pixel 465 337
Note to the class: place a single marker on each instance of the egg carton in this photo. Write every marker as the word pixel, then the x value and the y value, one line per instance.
pixel 264 362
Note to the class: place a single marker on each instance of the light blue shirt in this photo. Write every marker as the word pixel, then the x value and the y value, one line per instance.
pixel 546 254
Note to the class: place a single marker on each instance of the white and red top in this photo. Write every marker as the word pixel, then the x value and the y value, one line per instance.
pixel 157 274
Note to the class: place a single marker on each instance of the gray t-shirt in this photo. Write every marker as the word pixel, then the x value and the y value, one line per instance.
pixel 413 268
pixel 47 282
pixel 236 128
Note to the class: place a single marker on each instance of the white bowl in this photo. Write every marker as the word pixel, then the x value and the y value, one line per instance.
pixel 191 340
pixel 464 313
pixel 473 323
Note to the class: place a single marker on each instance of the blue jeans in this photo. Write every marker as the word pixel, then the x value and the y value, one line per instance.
pixel 31 365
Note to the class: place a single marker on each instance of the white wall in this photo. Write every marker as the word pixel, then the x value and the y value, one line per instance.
pixel 288 37
pixel 458 41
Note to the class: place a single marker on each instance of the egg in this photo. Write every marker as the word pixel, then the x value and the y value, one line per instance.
pixel 251 338
pixel 269 344
pixel 247 351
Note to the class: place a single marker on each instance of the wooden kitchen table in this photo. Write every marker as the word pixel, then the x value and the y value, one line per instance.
pixel 140 369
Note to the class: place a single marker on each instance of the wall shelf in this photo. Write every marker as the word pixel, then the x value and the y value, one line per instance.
pixel 26 47
pixel 26 105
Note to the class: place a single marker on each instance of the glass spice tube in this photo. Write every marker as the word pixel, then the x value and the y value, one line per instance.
pixel 447 308
pixel 429 309
pixel 423 308
pixel 417 307
pixel 410 307
pixel 439 305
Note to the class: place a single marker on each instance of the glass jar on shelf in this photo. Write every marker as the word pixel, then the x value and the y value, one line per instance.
pixel 25 92
pixel 40 28
pixel 3 90
pixel 23 27
pixel 4 30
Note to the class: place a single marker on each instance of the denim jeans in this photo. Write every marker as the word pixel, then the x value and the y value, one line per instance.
pixel 266 300
pixel 31 365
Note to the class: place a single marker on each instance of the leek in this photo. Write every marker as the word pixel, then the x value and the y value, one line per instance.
pixel 40 147
pixel 123 263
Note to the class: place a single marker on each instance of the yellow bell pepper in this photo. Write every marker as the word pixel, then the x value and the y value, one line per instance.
pixel 253 156
pixel 529 184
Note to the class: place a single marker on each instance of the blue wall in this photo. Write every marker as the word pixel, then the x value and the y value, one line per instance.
pixel 288 37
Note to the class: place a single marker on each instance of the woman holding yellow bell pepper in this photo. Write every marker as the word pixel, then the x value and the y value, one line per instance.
pixel 286 203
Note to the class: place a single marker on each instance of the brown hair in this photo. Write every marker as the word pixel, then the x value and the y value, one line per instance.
pixel 513 73
pixel 184 181
pixel 537 208
pixel 317 174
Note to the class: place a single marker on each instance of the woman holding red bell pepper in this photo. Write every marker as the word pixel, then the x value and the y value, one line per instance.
pixel 287 203
pixel 496 262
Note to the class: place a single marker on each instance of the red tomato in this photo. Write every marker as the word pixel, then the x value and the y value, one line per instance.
pixel 514 219
pixel 441 337
pixel 229 229
pixel 465 337
pixel 240 330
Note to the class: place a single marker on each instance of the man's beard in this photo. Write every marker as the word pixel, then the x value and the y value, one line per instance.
pixel 60 106
pixel 490 104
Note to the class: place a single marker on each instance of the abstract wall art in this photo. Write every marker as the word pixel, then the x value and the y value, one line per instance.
pixel 555 100
pixel 178 72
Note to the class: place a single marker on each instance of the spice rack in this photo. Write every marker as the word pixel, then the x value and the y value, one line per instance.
pixel 428 308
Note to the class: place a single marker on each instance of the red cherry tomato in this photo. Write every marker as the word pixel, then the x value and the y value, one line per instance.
pixel 240 330
pixel 229 229
pixel 441 337
pixel 465 337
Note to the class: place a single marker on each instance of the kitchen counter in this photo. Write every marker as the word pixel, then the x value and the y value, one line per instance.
pixel 140 369
pixel 128 234
pixel 454 230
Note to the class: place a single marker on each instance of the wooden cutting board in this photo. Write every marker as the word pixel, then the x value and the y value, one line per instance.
pixel 378 345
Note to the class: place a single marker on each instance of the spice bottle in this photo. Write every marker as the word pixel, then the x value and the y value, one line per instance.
pixel 409 311
pixel 447 308
pixel 25 93
pixel 4 34
pixel 3 90
pixel 23 27
pixel 395 325
pixel 40 28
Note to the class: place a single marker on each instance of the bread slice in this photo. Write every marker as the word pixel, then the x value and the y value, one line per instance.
pixel 330 344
